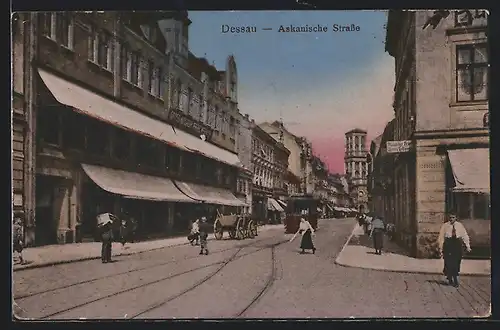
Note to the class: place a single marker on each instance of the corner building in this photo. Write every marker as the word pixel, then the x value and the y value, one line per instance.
pixel 441 106
pixel 119 124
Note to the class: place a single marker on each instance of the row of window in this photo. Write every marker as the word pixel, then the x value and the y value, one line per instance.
pixel 242 186
pixel 136 70
pixel 471 205
pixel 355 143
pixel 72 130
pixel 263 149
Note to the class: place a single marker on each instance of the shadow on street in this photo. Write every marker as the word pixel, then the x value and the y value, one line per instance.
pixel 388 247
pixel 440 282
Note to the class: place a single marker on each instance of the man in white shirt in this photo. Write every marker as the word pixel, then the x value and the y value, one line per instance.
pixel 452 237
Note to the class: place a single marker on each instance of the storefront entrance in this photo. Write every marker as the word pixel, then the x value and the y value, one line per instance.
pixel 46 220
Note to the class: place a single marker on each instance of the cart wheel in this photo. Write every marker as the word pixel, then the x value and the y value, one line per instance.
pixel 218 231
pixel 232 233
pixel 249 230
pixel 240 233
pixel 252 229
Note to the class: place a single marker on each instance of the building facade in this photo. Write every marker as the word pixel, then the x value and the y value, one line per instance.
pixel 440 106
pixel 244 147
pixel 295 172
pixel 337 195
pixel 117 123
pixel 381 177
pixel 270 161
pixel 356 167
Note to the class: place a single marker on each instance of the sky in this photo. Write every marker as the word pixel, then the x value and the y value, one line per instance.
pixel 320 84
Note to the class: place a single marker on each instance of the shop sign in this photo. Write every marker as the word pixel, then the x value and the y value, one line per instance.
pixel 187 123
pixel 396 147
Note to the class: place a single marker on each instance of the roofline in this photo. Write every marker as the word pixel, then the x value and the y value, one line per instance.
pixel 356 130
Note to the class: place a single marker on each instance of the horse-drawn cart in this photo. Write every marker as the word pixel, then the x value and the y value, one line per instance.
pixel 238 226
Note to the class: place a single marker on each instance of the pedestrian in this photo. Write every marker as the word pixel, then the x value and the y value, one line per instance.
pixel 132 229
pixel 452 238
pixel 18 237
pixel 307 231
pixel 361 219
pixel 367 223
pixel 377 232
pixel 194 235
pixel 204 228
pixel 106 230
pixel 124 232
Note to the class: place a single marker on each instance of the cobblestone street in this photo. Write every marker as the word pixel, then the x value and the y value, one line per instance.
pixel 261 278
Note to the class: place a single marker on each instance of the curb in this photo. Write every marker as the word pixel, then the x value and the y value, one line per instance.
pixel 339 262
pixel 61 262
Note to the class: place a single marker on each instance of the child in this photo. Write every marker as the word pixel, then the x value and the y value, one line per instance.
pixel 18 238
pixel 204 229
pixel 194 236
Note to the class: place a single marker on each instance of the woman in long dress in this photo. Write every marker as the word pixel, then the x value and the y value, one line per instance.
pixel 377 232
pixel 452 238
pixel 307 232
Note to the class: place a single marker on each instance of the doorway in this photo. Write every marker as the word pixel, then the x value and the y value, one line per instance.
pixel 45 218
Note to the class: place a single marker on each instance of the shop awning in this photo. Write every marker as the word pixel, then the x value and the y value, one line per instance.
pixel 283 204
pixel 209 195
pixel 274 205
pixel 196 144
pixel 99 107
pixel 134 185
pixel 471 169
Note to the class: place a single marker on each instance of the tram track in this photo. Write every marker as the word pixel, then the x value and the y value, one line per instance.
pixel 210 276
pixel 267 286
pixel 130 271
pixel 222 264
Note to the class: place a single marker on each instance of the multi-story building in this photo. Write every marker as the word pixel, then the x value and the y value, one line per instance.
pixel 113 125
pixel 356 167
pixel 441 107
pixel 294 172
pixel 20 124
pixel 270 160
pixel 337 195
pixel 306 157
pixel 244 147
pixel 381 176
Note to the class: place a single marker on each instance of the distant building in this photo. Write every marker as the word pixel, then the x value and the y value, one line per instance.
pixel 356 167
pixel 244 147
pixel 270 161
pixel 381 176
pixel 296 174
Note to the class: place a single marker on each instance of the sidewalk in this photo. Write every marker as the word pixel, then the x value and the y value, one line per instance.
pixel 358 252
pixel 59 254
